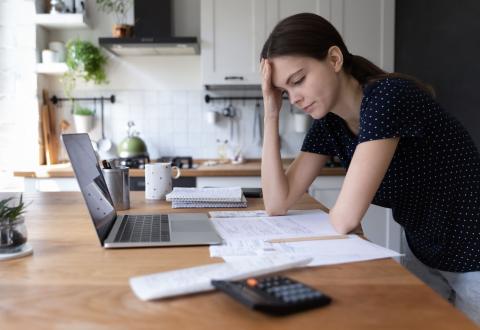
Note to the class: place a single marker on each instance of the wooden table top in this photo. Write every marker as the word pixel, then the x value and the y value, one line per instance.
pixel 250 168
pixel 71 282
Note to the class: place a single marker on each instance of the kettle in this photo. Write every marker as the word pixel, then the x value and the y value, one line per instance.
pixel 132 145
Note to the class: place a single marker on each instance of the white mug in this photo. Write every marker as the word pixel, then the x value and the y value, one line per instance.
pixel 301 122
pixel 211 117
pixel 59 48
pixel 49 56
pixel 158 180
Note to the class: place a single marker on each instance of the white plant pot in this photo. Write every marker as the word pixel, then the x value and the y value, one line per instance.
pixel 83 124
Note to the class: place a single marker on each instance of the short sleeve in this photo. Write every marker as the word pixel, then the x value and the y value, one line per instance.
pixel 392 108
pixel 318 139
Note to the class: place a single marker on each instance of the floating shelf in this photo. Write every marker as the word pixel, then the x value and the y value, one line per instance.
pixel 51 68
pixel 62 21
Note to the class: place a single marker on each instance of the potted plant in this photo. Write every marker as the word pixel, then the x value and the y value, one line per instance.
pixel 13 232
pixel 83 118
pixel 84 61
pixel 120 8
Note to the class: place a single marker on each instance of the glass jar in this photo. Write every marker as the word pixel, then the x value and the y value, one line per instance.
pixel 13 235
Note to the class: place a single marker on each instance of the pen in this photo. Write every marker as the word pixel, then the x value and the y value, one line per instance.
pixel 310 238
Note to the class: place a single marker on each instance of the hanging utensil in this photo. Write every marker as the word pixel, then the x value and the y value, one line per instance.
pixel 104 144
pixel 257 125
pixel 94 144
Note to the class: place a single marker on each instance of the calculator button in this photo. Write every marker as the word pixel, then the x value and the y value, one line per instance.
pixel 252 282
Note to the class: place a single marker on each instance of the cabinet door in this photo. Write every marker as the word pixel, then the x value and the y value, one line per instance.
pixel 367 26
pixel 232 34
pixel 279 9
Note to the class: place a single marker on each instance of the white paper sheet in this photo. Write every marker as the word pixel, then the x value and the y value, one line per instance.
pixel 246 247
pixel 326 252
pixel 198 279
pixel 291 225
pixel 255 213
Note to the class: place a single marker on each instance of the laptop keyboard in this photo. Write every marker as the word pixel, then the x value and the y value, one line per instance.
pixel 144 228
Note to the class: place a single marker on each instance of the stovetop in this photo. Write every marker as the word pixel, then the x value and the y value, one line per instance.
pixel 139 162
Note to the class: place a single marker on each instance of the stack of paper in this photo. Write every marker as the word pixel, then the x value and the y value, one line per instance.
pixel 299 233
pixel 207 197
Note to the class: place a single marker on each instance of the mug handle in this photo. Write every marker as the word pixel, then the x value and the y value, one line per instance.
pixel 178 172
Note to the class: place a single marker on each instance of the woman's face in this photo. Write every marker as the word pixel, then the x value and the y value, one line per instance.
pixel 312 85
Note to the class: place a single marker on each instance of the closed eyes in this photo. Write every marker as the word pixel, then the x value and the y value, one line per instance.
pixel 298 81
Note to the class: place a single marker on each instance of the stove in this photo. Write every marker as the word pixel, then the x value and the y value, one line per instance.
pixel 178 161
pixel 140 161
pixel 132 162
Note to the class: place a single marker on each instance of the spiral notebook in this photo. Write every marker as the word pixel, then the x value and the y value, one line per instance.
pixel 207 197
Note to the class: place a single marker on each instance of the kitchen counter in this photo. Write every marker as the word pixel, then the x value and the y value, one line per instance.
pixel 249 168
pixel 71 282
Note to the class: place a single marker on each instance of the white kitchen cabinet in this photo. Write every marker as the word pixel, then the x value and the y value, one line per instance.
pixel 378 224
pixel 233 33
pixel 229 181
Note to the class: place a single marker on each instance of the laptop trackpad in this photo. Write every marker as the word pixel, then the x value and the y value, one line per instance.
pixel 189 226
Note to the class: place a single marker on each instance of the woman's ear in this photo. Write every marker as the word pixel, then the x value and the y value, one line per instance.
pixel 335 58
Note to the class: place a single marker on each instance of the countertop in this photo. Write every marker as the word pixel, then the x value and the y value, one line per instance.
pixel 249 168
pixel 71 282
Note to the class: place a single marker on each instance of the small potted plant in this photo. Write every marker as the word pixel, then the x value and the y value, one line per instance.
pixel 84 61
pixel 83 118
pixel 120 8
pixel 13 232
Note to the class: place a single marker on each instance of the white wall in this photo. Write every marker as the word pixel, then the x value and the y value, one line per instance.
pixel 164 96
pixel 18 104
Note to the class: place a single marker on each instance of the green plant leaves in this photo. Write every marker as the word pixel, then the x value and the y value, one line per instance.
pixel 11 213
pixel 84 60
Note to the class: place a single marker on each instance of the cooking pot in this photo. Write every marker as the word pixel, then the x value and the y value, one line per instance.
pixel 132 145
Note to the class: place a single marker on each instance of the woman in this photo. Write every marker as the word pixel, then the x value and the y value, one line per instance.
pixel 401 151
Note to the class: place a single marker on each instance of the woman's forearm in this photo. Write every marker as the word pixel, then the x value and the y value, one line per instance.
pixel 274 180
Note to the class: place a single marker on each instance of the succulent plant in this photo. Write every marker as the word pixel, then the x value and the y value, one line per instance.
pixel 8 213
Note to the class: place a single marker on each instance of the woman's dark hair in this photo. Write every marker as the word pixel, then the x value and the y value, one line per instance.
pixel 311 35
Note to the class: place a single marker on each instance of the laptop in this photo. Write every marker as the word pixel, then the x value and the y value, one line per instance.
pixel 129 231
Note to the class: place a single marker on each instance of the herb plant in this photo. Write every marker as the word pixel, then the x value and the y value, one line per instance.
pixel 84 60
pixel 119 7
pixel 83 111
pixel 8 213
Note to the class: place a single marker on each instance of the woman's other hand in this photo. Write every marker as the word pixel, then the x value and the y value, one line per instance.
pixel 272 96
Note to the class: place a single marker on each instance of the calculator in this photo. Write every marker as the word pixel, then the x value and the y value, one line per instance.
pixel 276 295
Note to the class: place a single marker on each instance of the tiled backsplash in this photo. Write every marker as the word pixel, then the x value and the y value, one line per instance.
pixel 174 123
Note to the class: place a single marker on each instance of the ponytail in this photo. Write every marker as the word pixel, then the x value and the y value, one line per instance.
pixel 365 72
pixel 361 69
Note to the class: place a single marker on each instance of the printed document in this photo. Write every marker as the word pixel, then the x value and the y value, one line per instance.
pixel 326 252
pixel 295 225
pixel 198 279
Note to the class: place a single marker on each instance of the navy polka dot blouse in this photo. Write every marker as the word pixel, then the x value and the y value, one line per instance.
pixel 433 182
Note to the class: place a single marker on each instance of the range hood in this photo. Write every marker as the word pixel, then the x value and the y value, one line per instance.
pixel 152 33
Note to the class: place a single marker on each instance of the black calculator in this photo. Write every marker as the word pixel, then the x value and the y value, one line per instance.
pixel 276 295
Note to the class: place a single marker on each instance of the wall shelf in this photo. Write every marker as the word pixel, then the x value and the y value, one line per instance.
pixel 62 21
pixel 51 68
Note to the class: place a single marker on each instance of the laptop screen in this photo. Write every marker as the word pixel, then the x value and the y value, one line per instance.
pixel 91 181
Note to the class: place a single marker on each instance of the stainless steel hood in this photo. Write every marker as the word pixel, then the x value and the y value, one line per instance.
pixel 152 33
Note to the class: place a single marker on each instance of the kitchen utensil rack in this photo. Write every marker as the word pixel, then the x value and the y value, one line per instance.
pixel 56 99
pixel 209 98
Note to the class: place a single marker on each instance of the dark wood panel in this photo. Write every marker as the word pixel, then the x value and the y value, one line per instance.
pixel 438 41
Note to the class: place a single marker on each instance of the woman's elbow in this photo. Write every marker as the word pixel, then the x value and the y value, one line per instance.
pixel 275 210
pixel 342 225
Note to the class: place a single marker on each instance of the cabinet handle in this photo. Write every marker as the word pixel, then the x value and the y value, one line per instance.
pixel 233 78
